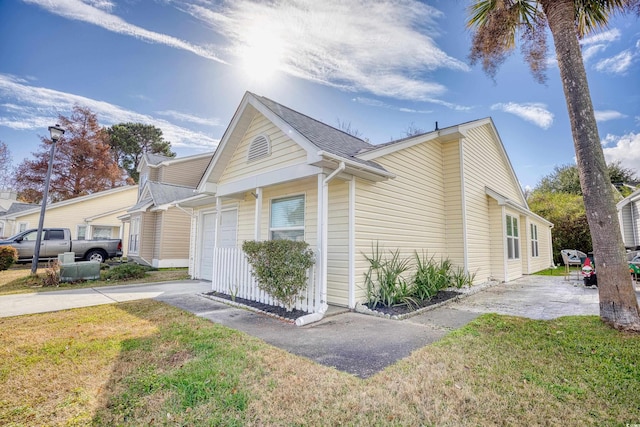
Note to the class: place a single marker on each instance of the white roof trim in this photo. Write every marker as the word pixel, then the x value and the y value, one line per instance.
pixel 633 197
pixel 175 160
pixel 503 201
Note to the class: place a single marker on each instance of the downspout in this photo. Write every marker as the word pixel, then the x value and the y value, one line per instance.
pixel 324 245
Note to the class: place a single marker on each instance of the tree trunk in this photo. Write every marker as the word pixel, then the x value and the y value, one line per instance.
pixel 618 301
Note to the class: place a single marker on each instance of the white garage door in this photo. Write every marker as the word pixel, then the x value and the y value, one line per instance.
pixel 208 240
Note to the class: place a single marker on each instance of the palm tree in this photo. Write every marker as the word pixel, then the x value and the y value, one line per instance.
pixel 496 24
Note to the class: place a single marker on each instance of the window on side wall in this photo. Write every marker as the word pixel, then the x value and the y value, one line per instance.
pixel 287 218
pixel 513 239
pixel 534 240
pixel 22 227
pixel 134 235
pixel 101 232
pixel 82 232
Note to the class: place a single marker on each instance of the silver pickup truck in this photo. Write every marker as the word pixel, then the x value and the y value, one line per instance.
pixel 55 241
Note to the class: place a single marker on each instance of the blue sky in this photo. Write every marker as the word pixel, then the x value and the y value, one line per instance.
pixel 382 66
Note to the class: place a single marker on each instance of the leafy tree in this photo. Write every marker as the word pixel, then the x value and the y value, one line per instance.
pixel 566 179
pixel 82 163
pixel 5 166
pixel 129 142
pixel 496 24
pixel 566 212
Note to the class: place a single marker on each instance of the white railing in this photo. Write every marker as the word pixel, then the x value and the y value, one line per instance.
pixel 232 276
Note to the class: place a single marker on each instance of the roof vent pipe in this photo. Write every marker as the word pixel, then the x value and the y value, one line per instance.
pixel 437 126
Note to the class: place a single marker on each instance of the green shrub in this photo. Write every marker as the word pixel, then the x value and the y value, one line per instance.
pixel 384 280
pixel 8 257
pixel 280 267
pixel 125 272
pixel 386 285
pixel 431 277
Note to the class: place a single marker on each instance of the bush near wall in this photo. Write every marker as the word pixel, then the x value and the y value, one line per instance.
pixel 8 257
pixel 280 267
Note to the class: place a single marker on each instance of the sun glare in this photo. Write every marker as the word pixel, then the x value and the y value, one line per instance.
pixel 262 55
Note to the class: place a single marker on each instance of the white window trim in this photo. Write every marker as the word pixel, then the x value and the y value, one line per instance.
pixel 299 228
pixel 535 250
pixel 86 230
pixel 513 239
pixel 134 248
pixel 20 226
pixel 110 227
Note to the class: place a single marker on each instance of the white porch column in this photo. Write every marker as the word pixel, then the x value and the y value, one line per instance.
pixel 214 268
pixel 258 219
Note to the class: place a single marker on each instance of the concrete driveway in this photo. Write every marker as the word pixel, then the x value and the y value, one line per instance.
pixel 356 343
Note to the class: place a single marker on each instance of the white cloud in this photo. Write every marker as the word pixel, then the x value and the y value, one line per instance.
pixel 625 149
pixel 591 51
pixel 535 113
pixel 604 115
pixel 190 118
pixel 28 107
pixel 97 12
pixel 603 37
pixel 385 47
pixel 617 64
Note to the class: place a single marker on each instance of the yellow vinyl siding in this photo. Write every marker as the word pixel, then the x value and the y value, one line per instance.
pixel 453 202
pixel 174 232
pixel 284 152
pixel 186 173
pixel 338 244
pixel 406 213
pixel 147 236
pixel 542 261
pixel 485 166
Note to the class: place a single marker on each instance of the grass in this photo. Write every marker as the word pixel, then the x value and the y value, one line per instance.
pixel 557 271
pixel 146 363
pixel 18 280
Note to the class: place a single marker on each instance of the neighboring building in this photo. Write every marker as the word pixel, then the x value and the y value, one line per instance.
pixel 629 217
pixel 159 231
pixel 9 206
pixel 276 173
pixel 94 216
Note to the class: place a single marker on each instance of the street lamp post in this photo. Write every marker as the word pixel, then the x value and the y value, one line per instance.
pixel 56 132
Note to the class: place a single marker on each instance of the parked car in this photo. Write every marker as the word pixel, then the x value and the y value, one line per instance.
pixel 55 241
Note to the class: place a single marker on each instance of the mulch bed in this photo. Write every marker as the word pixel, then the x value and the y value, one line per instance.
pixel 399 310
pixel 270 309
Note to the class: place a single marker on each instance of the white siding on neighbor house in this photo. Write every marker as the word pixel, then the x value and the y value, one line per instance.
pixel 484 166
pixel 406 213
pixel 284 152
pixel 626 224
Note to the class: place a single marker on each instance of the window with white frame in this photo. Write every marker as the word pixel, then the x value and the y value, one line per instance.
pixel 101 232
pixel 134 235
pixel 513 239
pixel 287 218
pixel 22 227
pixel 2 229
pixel 81 232
pixel 534 240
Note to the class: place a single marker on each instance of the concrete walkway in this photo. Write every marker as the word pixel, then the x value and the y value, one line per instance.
pixel 359 344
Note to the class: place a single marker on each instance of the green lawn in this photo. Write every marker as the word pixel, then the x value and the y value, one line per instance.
pixel 146 363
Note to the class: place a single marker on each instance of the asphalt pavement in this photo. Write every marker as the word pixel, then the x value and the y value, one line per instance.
pixel 352 342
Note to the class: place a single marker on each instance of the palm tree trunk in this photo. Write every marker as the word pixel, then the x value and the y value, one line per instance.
pixel 618 301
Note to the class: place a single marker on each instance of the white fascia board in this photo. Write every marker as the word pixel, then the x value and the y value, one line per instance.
pixel 503 201
pixel 356 165
pixel 442 135
pixel 633 197
pixel 290 173
pixel 181 159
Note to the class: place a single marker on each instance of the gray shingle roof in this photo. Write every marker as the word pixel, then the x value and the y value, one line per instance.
pixel 17 207
pixel 167 193
pixel 323 136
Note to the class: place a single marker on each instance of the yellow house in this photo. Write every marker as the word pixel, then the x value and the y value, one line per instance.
pixel 159 232
pixel 277 173
pixel 94 216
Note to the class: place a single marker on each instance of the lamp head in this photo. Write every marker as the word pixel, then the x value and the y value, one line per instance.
pixel 56 132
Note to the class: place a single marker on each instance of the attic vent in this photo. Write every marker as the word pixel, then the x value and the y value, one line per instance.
pixel 260 147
